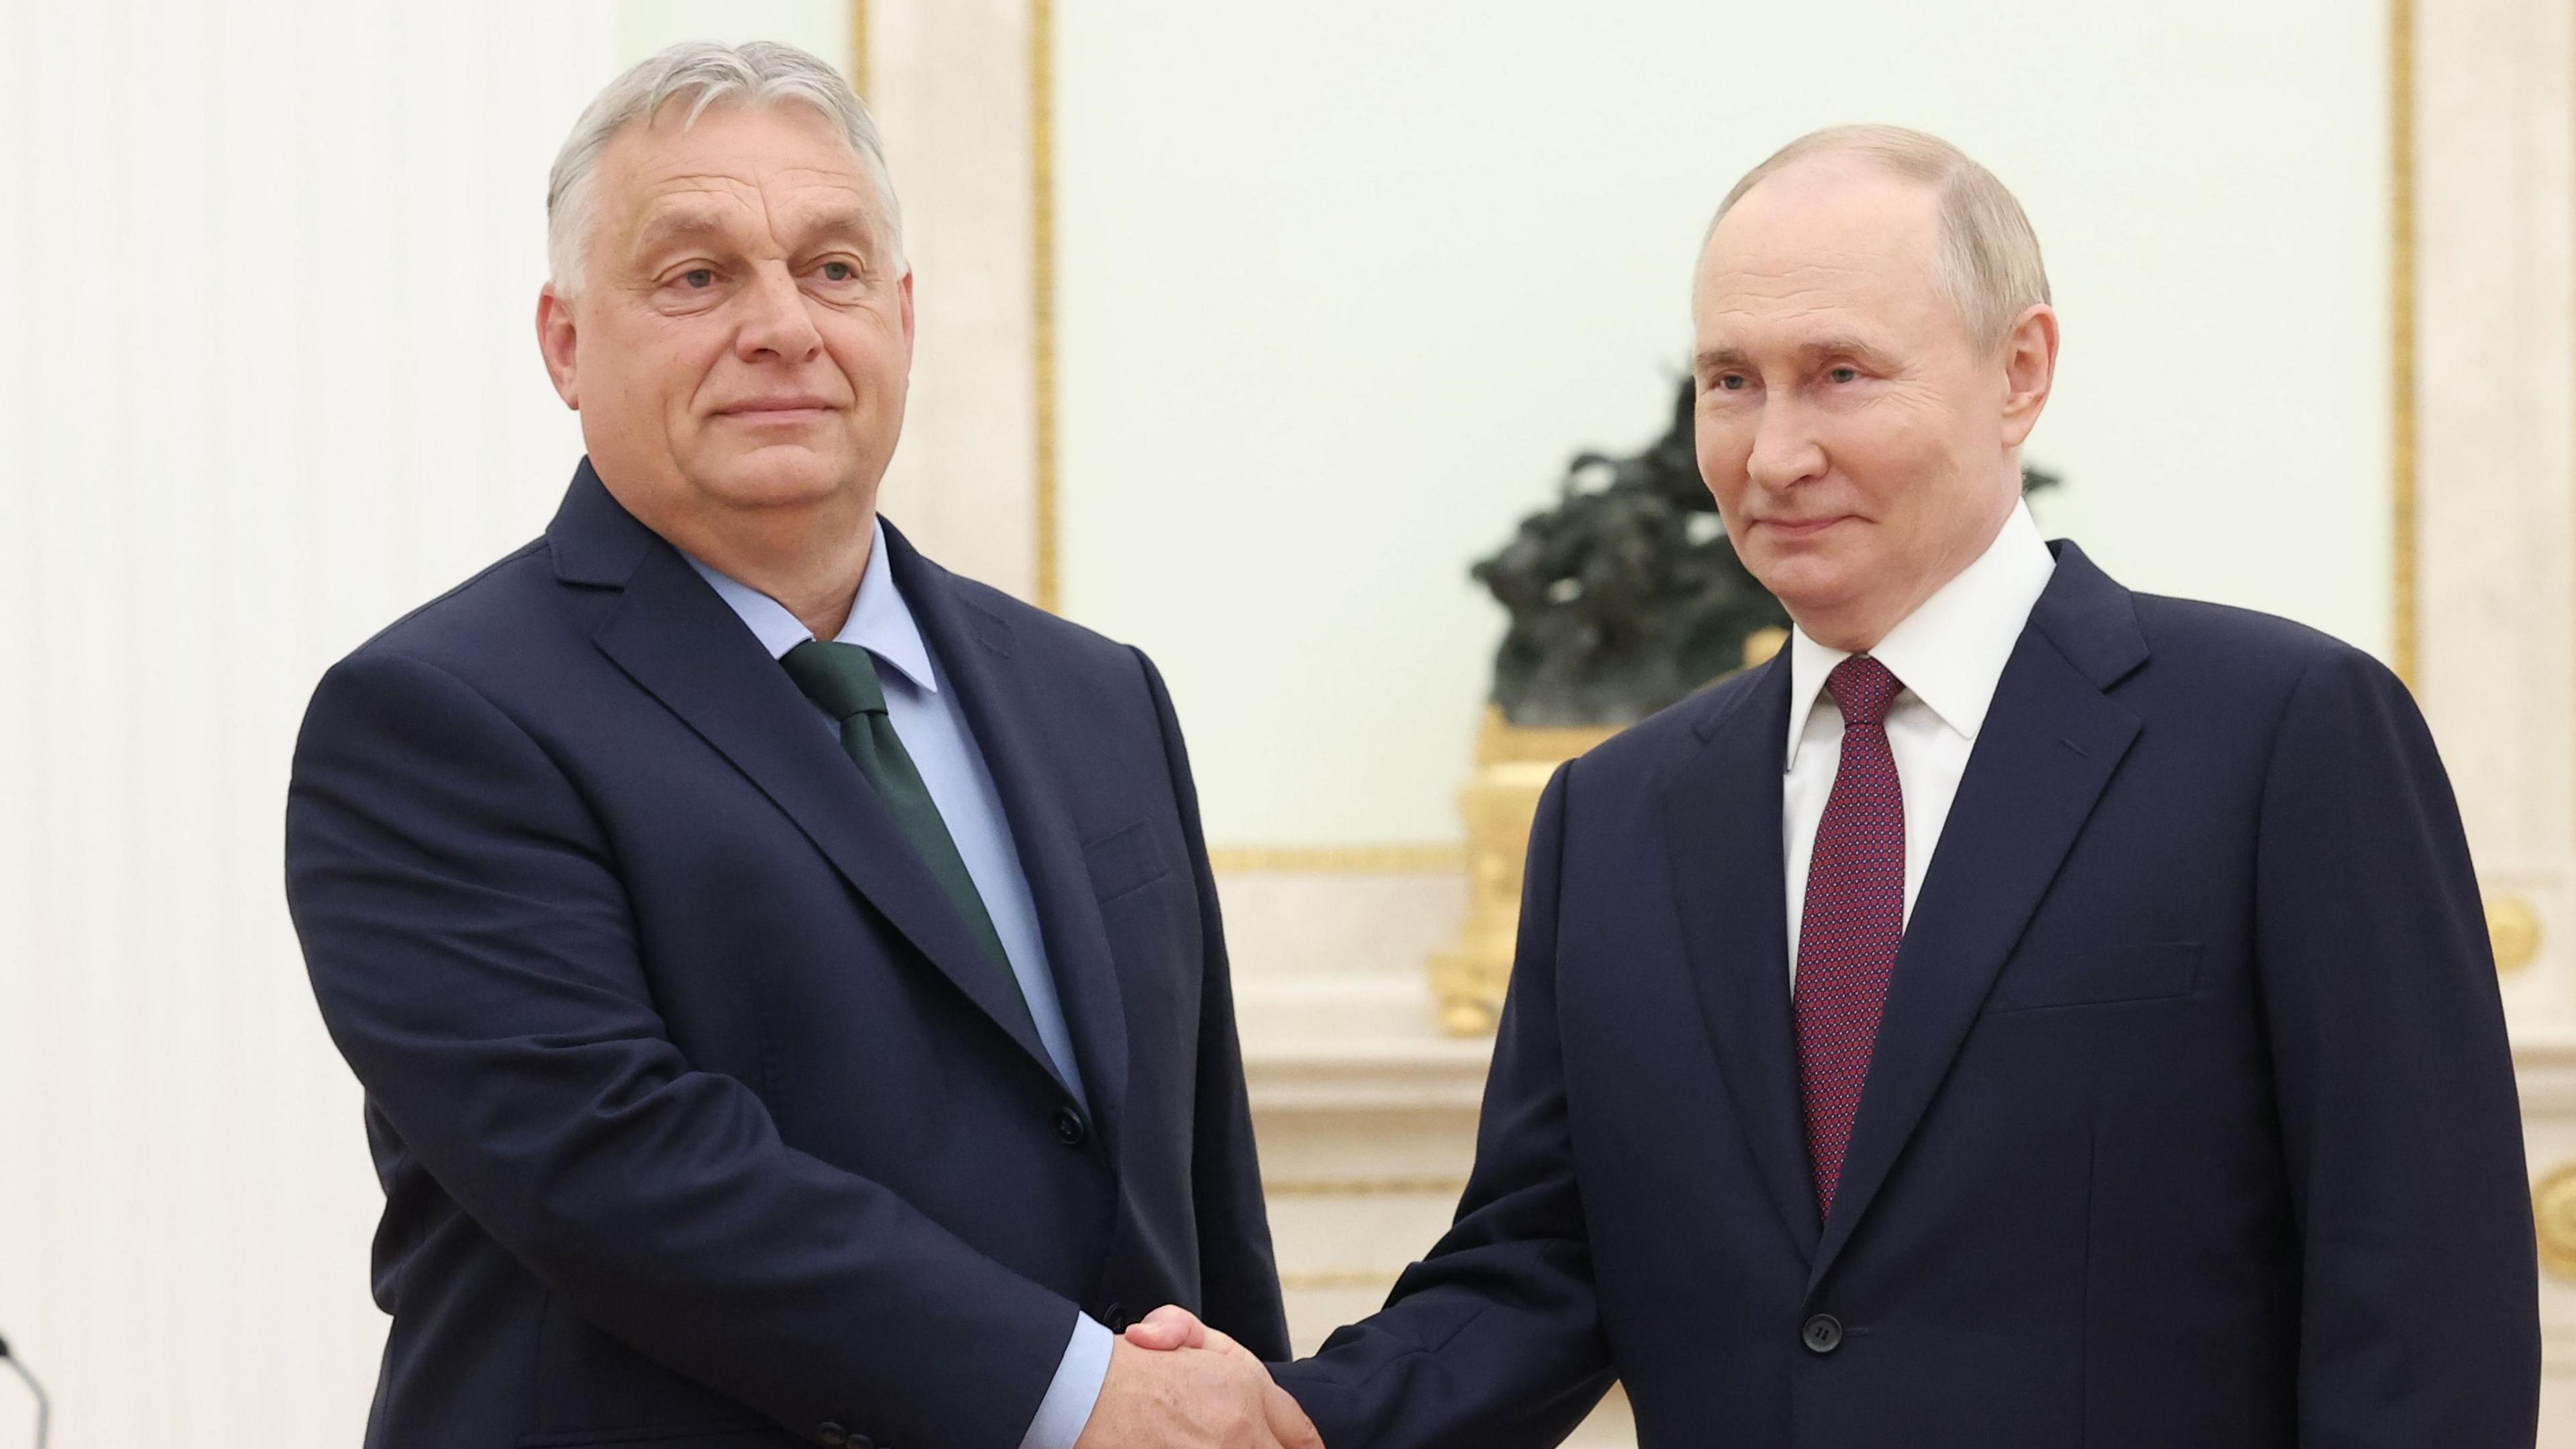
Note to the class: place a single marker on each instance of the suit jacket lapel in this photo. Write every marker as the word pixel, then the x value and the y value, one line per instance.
pixel 975 648
pixel 2050 744
pixel 673 636
pixel 1722 819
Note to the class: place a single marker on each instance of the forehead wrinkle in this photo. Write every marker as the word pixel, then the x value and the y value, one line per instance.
pixel 664 222
pixel 1807 286
pixel 1817 265
pixel 1807 294
pixel 698 203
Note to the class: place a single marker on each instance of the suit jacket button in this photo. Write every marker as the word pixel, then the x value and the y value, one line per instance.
pixel 1823 1334
pixel 1068 1127
pixel 1114 1318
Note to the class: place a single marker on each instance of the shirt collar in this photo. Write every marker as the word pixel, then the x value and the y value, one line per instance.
pixel 880 621
pixel 1951 651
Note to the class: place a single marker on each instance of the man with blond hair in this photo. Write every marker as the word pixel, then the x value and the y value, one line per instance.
pixel 2022 1014
pixel 785 976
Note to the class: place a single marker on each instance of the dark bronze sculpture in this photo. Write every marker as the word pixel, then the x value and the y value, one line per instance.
pixel 1626 595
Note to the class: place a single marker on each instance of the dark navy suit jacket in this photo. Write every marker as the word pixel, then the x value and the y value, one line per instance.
pixel 2191 1123
pixel 702 1118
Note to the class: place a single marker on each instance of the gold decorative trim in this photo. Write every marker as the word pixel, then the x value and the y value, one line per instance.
pixel 859 46
pixel 1365 1187
pixel 1293 1280
pixel 1050 581
pixel 2401 343
pixel 2553 1211
pixel 2513 932
pixel 1408 859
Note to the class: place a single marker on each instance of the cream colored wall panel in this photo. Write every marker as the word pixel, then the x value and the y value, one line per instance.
pixel 1342 285
pixel 2496 353
pixel 1289 926
pixel 950 81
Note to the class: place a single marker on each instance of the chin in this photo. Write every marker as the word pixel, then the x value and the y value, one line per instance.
pixel 1809 586
pixel 1793 572
pixel 779 477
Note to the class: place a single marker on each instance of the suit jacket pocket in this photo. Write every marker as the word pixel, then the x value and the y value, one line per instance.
pixel 2098 978
pixel 1124 859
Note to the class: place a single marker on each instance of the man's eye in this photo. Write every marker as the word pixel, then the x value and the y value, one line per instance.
pixel 1734 382
pixel 699 277
pixel 839 271
pixel 1844 374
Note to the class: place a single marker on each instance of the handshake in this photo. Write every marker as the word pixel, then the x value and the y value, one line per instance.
pixel 1175 1383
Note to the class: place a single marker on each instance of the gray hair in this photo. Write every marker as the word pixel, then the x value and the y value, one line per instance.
pixel 703 73
pixel 1989 255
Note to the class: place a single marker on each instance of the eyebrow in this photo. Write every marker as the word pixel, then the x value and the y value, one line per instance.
pixel 675 226
pixel 691 223
pixel 1839 345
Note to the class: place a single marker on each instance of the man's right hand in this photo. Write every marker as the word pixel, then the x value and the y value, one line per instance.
pixel 1192 1398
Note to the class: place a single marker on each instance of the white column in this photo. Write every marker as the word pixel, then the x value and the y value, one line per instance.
pixel 2496 536
pixel 950 82
pixel 2496 539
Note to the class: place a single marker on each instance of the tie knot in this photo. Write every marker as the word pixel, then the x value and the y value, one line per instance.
pixel 842 678
pixel 1864 689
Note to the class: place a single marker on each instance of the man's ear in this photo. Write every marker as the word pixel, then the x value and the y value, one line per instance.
pixel 2030 369
pixel 557 339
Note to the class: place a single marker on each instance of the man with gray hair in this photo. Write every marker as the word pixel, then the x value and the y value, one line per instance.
pixel 2023 1012
pixel 786 977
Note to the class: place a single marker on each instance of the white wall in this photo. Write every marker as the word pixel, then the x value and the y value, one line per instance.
pixel 1343 284
pixel 820 26
pixel 267 380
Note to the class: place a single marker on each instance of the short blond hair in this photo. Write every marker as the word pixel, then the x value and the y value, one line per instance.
pixel 1989 255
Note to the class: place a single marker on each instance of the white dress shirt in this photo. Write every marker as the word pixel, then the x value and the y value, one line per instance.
pixel 1949 655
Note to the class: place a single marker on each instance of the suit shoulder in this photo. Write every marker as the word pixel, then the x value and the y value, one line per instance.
pixel 494 612
pixel 2245 644
pixel 1046 634
pixel 1642 746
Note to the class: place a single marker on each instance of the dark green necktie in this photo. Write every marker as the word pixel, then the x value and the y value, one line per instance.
pixel 842 678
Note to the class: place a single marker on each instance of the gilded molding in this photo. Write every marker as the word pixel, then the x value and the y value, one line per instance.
pixel 1365 1187
pixel 1050 582
pixel 859 46
pixel 1401 859
pixel 2401 343
pixel 2513 932
pixel 1294 1280
pixel 2553 1211
pixel 1497 805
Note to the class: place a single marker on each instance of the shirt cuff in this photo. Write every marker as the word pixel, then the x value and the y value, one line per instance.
pixel 1078 1377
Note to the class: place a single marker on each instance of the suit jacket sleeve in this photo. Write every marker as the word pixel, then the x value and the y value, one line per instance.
pixel 1238 1277
pixel 475 958
pixel 1494 1340
pixel 2400 1127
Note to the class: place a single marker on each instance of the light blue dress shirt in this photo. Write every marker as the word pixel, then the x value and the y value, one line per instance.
pixel 934 733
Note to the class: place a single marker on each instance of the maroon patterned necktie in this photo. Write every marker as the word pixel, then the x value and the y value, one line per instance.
pixel 1853 917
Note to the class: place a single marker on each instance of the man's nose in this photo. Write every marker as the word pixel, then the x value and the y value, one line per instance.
pixel 1785 452
pixel 775 320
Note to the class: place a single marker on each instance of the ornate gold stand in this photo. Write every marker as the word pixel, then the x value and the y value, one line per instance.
pixel 1499 801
